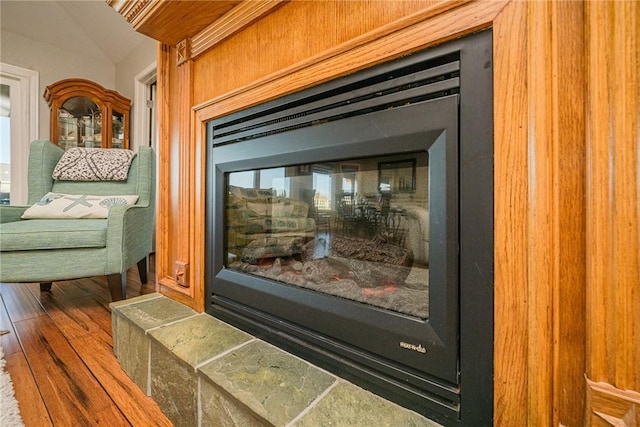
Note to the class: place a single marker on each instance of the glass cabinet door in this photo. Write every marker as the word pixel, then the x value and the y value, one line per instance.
pixel 117 129
pixel 79 123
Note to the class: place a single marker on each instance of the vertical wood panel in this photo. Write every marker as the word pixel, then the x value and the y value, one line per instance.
pixel 613 205
pixel 599 262
pixel 556 213
pixel 165 174
pixel 174 193
pixel 542 213
pixel 185 157
pixel 569 294
pixel 511 188
pixel 626 116
pixel 178 196
pixel 539 177
pixel 198 214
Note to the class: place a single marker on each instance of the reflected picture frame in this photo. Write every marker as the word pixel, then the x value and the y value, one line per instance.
pixel 398 176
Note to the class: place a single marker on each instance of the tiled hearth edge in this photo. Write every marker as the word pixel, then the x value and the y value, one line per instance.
pixel 204 372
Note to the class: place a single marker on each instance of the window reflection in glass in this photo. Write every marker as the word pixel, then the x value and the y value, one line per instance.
pixel 333 228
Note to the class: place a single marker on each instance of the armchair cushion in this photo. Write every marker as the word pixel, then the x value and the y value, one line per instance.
pixel 59 205
pixel 39 234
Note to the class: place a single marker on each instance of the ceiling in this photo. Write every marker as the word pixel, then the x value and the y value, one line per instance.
pixel 90 27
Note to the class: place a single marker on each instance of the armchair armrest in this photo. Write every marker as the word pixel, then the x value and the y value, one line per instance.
pixel 9 213
pixel 129 235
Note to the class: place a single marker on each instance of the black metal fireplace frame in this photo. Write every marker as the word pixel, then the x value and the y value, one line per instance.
pixel 461 393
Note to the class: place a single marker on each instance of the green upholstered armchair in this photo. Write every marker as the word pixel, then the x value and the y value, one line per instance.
pixel 48 250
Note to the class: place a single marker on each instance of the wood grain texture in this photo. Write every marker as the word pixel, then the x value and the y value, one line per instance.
pixel 171 21
pixel 70 391
pixel 198 214
pixel 556 213
pixel 609 406
pixel 177 193
pixel 569 294
pixel 278 41
pixel 32 408
pixel 241 16
pixel 542 238
pixel 613 195
pixel 63 368
pixel 539 186
pixel 172 220
pixel 412 33
pixel 511 297
pixel 8 341
pixel 17 302
pixel 163 216
pixel 184 86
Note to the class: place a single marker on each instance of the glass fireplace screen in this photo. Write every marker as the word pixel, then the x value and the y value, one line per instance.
pixel 355 229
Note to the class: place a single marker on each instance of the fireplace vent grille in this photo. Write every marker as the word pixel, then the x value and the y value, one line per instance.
pixel 388 86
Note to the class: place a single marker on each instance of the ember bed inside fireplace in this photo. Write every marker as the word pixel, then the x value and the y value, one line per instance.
pixel 352 224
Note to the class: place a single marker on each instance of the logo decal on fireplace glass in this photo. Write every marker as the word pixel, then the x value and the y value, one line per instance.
pixel 419 348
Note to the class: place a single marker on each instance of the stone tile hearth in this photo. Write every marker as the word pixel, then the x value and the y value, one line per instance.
pixel 204 372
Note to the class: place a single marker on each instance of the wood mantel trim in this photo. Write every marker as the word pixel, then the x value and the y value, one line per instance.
pixel 171 21
pixel 232 22
pixel 134 11
pixel 436 23
pixel 145 16
pixel 608 405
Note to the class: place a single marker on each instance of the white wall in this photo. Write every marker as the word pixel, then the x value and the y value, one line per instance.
pixel 138 60
pixel 53 64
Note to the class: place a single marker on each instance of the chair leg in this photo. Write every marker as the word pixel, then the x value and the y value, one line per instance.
pixel 117 286
pixel 143 268
pixel 45 287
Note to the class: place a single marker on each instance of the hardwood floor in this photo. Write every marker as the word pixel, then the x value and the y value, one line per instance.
pixel 60 357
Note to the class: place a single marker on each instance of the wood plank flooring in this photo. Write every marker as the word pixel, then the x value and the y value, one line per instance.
pixel 60 357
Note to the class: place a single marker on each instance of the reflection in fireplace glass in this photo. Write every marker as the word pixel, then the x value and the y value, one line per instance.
pixel 332 228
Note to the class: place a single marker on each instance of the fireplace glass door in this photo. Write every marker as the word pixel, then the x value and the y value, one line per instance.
pixel 347 233
pixel 356 229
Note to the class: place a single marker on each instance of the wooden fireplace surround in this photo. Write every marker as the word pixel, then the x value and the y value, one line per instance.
pixel 566 90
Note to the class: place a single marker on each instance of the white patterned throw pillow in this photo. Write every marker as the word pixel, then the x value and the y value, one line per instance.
pixel 60 206
pixel 82 164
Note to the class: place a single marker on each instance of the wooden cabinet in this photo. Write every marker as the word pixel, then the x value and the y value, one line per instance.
pixel 85 114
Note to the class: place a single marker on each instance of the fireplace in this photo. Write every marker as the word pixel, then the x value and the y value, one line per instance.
pixel 352 224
